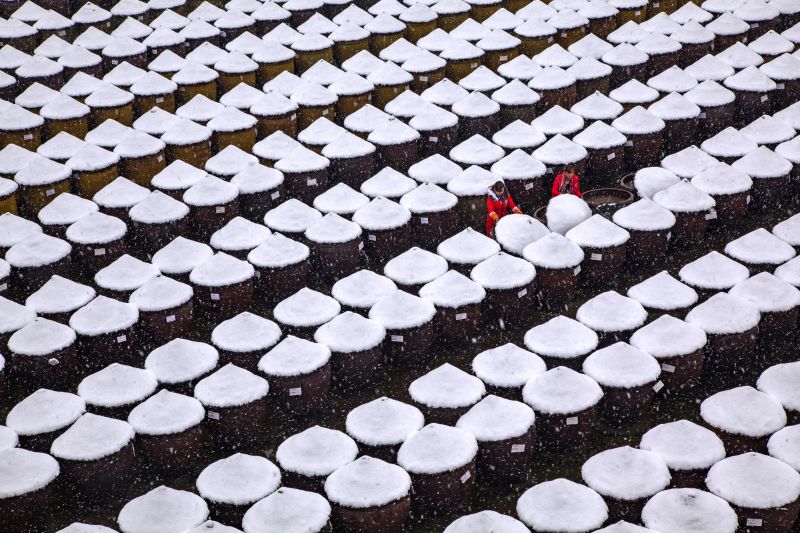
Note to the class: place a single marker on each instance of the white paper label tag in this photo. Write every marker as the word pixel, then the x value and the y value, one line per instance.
pixel 171 318
pixel 214 296
pixel 572 421
pixel 517 448
pixel 61 33
pixel 658 386
pixel 160 158
pixel 325 113
pixel 121 339
pixel 293 118
pixel 563 34
pixel 611 156
pixel 49 192
pixel 297 391
pixel 461 316
pixel 473 65
pixel 258 274
pixel 275 195
pixel 669 235
pixel 372 238
pixel 754 522
pixel 433 139
pixel 637 13
pixel 99 251
pixel 3 287
pixel 764 98
pixel 213 415
pixel 466 476
pixel 312 182
pixel 397 338
pixel 548 171
pixel 748 199
pixel 52 361
pixel 361 245
pixel 159 100
pixel 115 62
pixel 528 186
pixel 423 220
pixel 550 39
pixel 597 257
pixel 754 24
pixel 220 209
pixel 711 215
pixel 668 368
pixel 628 143
pixel 702 115
pixel 522 293
pixel 423 78
pixel 28 136
pixel 781 86
pixel 576 270
pixel 656 4
pixel 503 58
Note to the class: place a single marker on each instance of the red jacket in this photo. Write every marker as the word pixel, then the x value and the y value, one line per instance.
pixel 501 205
pixel 576 188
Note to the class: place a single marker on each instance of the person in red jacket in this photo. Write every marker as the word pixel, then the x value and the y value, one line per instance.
pixel 499 204
pixel 567 182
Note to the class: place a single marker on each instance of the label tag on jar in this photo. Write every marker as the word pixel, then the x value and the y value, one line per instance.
pixel 550 39
pixel 159 100
pixel 528 186
pixel 220 209
pixel 423 220
pixel 637 13
pixel 466 476
pixel 397 338
pixel 576 270
pixel 52 361
pixel 548 171
pixel 461 316
pixel 275 195
pixel 121 339
pixel 312 182
pixel 611 156
pixel 171 318
pixel 258 273
pixel 781 86
pixel 49 192
pixel 628 143
pixel 702 115
pixel 361 245
pixel 522 293
pixel 473 65
pixel 658 386
pixel 668 368
pixel 214 296
pixel 764 98
pixel 3 287
pixel 325 113
pixel 27 136
pixel 711 215
pixel 754 522
pixel 517 448
pixel 597 257
pixel 669 235
pixel 503 58
pixel 572 421
pixel 423 78
pixel 297 391
pixel 160 158
pixel 99 251
pixel 213 415
pixel 372 238
pixel 748 199
pixel 293 117
pixel 433 139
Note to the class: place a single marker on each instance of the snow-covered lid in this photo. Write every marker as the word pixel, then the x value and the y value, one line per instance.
pixel 246 332
pixel 181 256
pixel 293 357
pixel 684 445
pixel 597 106
pixel 255 178
pixel 15 316
pixel 59 295
pixel 117 385
pixel 658 44
pixel 292 216
pixel 744 411
pixel 230 386
pixel 350 332
pixel 561 505
pixel 388 183
pixel 8 438
pixel 785 445
pixel 155 122
pixel 24 472
pixel 306 308
pixel 755 481
pixel 689 509
pixel 168 62
pixel 519 164
pixel 589 68
pixel 763 163
pixel 45 411
pixel 40 171
pixel 316 452
pixel 122 192
pixel 559 150
pixel 709 93
pixel 621 366
pixel 626 473
pixel 674 79
pixel 768 130
pixel 507 366
pixel 683 196
pixel 789 150
pixel 288 510
pixel 474 181
pixel 91 438
pixel 751 79
pixel 78 527
pixel 65 209
pixel 724 314
pixel 435 169
pixel 36 250
pixel 35 96
pixel 277 251
pixel 784 68
pixel 551 79
pixel 675 106
pixel 185 132
pixel 199 109
pixel 624 55
pixel 600 136
pixel 14 158
pixel 60 147
pixel 780 381
pixel 381 214
pixel 644 215
pixel 495 419
pixel 239 234
pixel 362 289
pixel 126 273
pixel 728 24
pixel 452 290
pixel 610 311
pixel 138 144
pixel 238 480
pixel 161 293
pixel 709 67
pixel 561 390
pixel 561 337
pixel 333 228
pixel 729 142
pixel 181 360
pixel 210 190
pixel 516 231
pixel 367 483
pixel 106 136
pixel 634 92
pixel 503 271
pixel 163 509
pixel 103 315
pixel 553 251
pixel 713 271
pixel 668 336
pixel 520 68
pixel 590 46
pixel 437 449
pixel 767 292
pixel 383 422
pixel 166 413
pixel 663 292
pixel 598 232
pixel 401 310
pixel 760 247
pixel 96 228
pixel 446 387
pixel 221 270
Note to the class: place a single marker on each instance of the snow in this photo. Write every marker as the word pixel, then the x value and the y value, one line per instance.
pixel 227 162
pixel 103 315
pixel 289 511
pixel 292 216
pixel 722 179
pixel 210 191
pixel 496 419
pixel 121 193
pixel 503 271
pixel 562 505
pixel 768 293
pixel 367 483
pixel 316 452
pixel 333 229
pixel 788 230
pixel 626 473
pixel 621 366
pixel 597 106
pixel 522 67
pixel 477 150
pixel 486 522
pixel 663 292
pixel 724 314
pixel 684 197
pixel 37 250
pixel 59 295
pixel 8 438
pixel 77 527
pixel 743 411
pixel 239 480
pixel 760 247
pixel 729 142
pixel 163 510
pixel 117 385
pixel 763 163
pixel 41 337
pixel 362 289
pixel 213 527
pixel 383 422
pixel 598 232
pixel 622 526
pixel 754 481
pixel 452 290
pixel 166 413
pixel 790 272
pixel 507 366
pixel 519 165
pixel 306 308
pixel 415 266
pixel 158 208
pixel 785 445
pixel 435 169
pixel 638 121
pixel 684 445
pixel 126 273
pixel 40 171
pixel 437 449
pixel 350 333
pixel 688 510
pixel 230 386
pixel 402 310
pixel 644 215
pixel 23 472
pixel 780 381
pixel 277 251
pixel 516 93
pixel 561 337
pixel 713 271
pixel 221 270
pixel 347 146
pixel 254 178
pixel 177 176
pixel 45 411
pixel 566 211
pixel 96 228
pixel 624 55
pixel 474 181
pixel 181 360
pixel 561 390
pixel 447 387
pixel 709 67
pixel 381 214
pixel 768 130
pixel 91 438
pixel 516 231
pixel 239 234
pixel 181 256
pixel 244 333
pixel 750 80
pixel 294 357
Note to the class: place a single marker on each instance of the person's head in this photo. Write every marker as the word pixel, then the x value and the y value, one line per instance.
pixel 569 171
pixel 499 188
